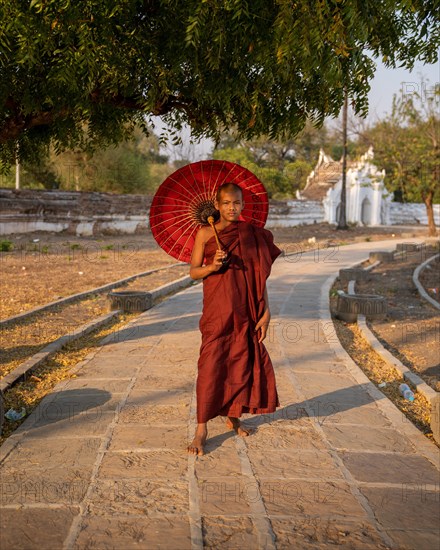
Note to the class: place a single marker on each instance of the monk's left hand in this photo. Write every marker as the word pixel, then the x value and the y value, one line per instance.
pixel 263 325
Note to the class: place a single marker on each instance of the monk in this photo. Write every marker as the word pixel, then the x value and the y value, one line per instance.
pixel 235 373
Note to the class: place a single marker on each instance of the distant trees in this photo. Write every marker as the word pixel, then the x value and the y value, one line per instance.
pixel 134 166
pixel 283 166
pixel 407 145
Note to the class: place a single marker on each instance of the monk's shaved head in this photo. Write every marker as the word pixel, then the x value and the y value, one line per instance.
pixel 228 188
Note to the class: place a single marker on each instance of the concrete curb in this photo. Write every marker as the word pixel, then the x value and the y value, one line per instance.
pixel 405 426
pixel 421 386
pixel 33 362
pixel 418 284
pixel 74 297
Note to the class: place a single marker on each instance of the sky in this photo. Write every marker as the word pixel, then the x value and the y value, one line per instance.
pixel 388 82
pixel 384 85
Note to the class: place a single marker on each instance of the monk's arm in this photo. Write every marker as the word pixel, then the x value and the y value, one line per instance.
pixel 197 269
pixel 266 301
pixel 200 272
pixel 263 321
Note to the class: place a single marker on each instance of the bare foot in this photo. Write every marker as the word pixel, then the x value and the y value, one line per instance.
pixel 197 444
pixel 235 424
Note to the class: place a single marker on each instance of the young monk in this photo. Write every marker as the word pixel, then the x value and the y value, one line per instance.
pixel 235 373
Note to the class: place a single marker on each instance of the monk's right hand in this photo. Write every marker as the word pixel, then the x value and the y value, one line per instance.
pixel 217 262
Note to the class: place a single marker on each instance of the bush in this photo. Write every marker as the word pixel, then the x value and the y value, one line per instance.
pixel 6 246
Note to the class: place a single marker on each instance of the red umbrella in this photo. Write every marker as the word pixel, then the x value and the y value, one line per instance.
pixel 185 199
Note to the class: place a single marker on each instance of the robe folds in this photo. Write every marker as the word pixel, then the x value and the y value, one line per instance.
pixel 235 373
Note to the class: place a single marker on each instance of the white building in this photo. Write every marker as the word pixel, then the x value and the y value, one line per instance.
pixel 367 200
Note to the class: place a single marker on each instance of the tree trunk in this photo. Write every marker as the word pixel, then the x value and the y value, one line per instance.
pixel 427 199
pixel 342 221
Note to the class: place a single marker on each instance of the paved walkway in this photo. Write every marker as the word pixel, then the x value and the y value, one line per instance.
pixel 101 464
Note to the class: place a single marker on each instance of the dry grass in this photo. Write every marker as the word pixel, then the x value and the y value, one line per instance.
pixel 379 372
pixel 418 411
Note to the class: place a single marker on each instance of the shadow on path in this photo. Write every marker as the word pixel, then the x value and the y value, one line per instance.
pixel 317 408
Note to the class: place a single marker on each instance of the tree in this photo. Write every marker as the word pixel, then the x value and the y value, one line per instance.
pixel 263 67
pixel 407 145
pixel 283 165
pixel 134 166
pixel 342 221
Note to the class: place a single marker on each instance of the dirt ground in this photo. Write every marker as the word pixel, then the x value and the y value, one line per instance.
pixel 43 267
pixel 430 279
pixel 411 329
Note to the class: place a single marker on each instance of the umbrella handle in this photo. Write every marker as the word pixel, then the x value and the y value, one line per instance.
pixel 211 223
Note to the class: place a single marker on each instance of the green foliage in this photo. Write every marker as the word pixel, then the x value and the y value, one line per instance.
pixel 406 145
pixel 280 181
pixel 6 246
pixel 134 166
pixel 282 165
pixel 262 67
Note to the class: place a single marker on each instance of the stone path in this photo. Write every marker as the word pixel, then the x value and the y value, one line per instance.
pixel 101 464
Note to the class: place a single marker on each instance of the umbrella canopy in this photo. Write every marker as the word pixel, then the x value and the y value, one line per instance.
pixel 185 199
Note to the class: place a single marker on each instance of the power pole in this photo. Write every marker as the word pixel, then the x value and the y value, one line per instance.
pixel 17 174
pixel 342 221
pixel 17 170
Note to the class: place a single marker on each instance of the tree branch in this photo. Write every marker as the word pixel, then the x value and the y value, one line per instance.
pixel 18 123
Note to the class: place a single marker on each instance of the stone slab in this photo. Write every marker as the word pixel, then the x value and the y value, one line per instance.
pixel 325 367
pixel 357 438
pixel 32 456
pixel 408 505
pixel 295 464
pixel 314 532
pixel 391 468
pixel 159 397
pixel 146 415
pixel 88 424
pixel 228 495
pixel 328 387
pixel 109 369
pixel 162 465
pixel 369 415
pixel 229 533
pixel 276 437
pixel 222 462
pixel 66 486
pixel 137 533
pixel 111 385
pixel 164 381
pixel 322 498
pixel 138 496
pixel 422 539
pixel 69 403
pixel 128 437
pixel 118 347
pixel 38 527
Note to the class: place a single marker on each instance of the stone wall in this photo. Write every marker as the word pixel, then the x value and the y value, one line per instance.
pixel 292 212
pixel 27 210
pixel 410 213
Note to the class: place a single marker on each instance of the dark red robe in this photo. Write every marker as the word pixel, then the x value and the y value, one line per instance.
pixel 235 373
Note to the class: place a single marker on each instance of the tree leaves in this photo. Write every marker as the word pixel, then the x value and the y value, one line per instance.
pixel 263 67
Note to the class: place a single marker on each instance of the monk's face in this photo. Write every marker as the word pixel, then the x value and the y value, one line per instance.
pixel 230 205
